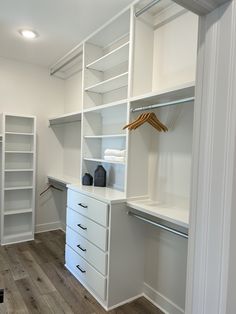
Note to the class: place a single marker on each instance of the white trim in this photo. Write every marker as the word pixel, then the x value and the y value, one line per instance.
pixel 125 302
pixel 213 164
pixel 160 301
pixel 50 226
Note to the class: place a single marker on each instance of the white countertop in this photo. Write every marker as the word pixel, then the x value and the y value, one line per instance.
pixel 105 194
pixel 171 213
pixel 63 179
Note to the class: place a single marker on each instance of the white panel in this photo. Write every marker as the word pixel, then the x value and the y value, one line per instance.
pixel 166 264
pixel 175 52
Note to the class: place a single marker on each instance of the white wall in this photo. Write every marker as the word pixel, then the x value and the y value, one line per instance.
pixel 28 89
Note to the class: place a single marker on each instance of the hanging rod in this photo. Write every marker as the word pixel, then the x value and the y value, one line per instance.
pixel 146 8
pixel 56 69
pixel 170 103
pixel 156 224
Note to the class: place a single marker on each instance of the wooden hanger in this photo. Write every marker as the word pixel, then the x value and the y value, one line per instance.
pixel 149 117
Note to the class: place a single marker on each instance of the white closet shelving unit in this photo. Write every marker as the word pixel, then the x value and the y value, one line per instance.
pixel 106 74
pixel 132 63
pixel 18 178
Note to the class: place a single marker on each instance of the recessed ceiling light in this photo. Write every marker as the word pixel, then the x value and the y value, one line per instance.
pixel 28 34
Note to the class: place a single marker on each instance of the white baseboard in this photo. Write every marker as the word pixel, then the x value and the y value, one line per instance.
pixel 49 227
pixel 159 300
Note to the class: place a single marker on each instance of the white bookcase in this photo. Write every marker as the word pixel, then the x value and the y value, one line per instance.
pixel 18 178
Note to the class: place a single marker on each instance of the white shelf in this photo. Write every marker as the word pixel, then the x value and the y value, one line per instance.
pixel 65 118
pixel 104 136
pixel 111 59
pixel 106 106
pixel 17 238
pixel 18 133
pixel 104 161
pixel 63 179
pixel 167 95
pixel 104 194
pixel 18 211
pixel 19 152
pixel 110 84
pixel 19 188
pixel 19 170
pixel 170 213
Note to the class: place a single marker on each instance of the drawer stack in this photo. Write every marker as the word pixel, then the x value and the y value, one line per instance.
pixel 87 241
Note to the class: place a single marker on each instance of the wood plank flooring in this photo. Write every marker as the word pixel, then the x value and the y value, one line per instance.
pixel 36 281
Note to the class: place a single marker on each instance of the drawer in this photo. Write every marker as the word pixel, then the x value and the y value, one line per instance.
pixel 87 228
pixel 96 257
pixel 89 207
pixel 82 270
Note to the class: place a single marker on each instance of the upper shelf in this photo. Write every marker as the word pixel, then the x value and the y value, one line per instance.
pixel 63 179
pixel 111 59
pixel 110 84
pixel 65 118
pixel 168 95
pixel 173 214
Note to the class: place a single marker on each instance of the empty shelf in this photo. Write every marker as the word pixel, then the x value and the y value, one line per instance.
pixel 104 161
pixel 63 179
pixel 170 213
pixel 110 84
pixel 18 211
pixel 17 237
pixel 19 188
pixel 183 91
pixel 106 106
pixel 112 59
pixel 104 136
pixel 19 170
pixel 19 152
pixel 65 118
pixel 19 133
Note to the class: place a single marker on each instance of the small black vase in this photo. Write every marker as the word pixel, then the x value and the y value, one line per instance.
pixel 100 176
pixel 87 179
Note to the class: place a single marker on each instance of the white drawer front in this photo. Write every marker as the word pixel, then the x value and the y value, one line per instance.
pixel 86 273
pixel 89 207
pixel 87 250
pixel 87 228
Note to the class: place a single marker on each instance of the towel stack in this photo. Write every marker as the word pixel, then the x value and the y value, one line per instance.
pixel 115 155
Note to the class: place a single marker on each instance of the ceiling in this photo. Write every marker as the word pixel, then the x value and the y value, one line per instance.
pixel 62 24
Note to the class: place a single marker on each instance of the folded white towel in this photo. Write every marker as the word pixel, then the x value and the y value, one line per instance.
pixel 115 152
pixel 114 158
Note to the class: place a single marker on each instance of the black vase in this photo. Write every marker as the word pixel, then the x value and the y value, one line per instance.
pixel 100 176
pixel 87 179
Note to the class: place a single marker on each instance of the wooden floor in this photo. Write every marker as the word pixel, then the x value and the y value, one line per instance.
pixel 36 281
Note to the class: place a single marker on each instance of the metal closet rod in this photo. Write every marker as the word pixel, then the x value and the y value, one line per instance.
pixel 53 71
pixel 170 103
pixel 146 8
pixel 156 224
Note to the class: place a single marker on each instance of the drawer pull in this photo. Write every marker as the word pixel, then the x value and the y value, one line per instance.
pixel 82 249
pixel 82 205
pixel 82 227
pixel 81 269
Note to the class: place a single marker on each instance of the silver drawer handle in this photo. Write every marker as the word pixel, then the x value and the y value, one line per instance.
pixel 82 227
pixel 81 248
pixel 82 205
pixel 81 269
